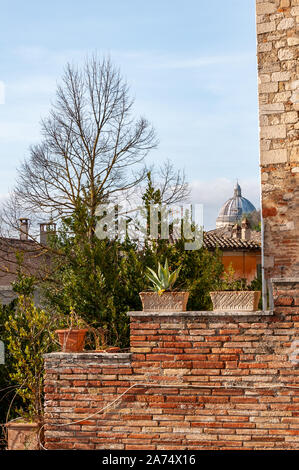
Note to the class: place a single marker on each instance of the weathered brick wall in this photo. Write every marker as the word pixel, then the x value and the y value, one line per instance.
pixel 277 36
pixel 206 382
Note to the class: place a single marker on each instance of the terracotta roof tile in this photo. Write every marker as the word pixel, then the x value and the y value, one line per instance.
pixel 212 240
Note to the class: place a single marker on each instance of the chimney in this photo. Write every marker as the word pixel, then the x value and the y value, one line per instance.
pixel 245 231
pixel 24 228
pixel 46 229
pixel 236 231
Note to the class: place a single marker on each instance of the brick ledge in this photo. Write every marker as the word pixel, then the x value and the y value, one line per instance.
pixel 208 313
pixel 279 280
pixel 109 358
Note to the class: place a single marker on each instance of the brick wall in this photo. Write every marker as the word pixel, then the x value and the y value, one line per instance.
pixel 277 38
pixel 206 382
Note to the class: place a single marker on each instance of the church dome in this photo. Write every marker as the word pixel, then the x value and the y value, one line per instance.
pixel 233 209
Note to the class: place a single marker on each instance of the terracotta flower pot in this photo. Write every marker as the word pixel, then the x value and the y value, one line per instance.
pixel 234 301
pixel 72 340
pixel 22 435
pixel 167 302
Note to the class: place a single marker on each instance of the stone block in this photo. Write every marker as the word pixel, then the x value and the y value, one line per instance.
pixel 281 43
pixel 265 27
pixel 264 120
pixel 265 144
pixel 274 156
pixel 294 85
pixel 294 155
pixel 273 132
pixel 273 108
pixel 284 3
pixel 264 177
pixel 265 8
pixel 285 54
pixel 295 11
pixel 295 97
pixel 265 47
pixel 287 226
pixel 268 87
pixel 293 41
pixel 282 97
pixel 270 67
pixel 269 261
pixel 290 117
pixel 280 76
pixel 264 78
pixel 286 23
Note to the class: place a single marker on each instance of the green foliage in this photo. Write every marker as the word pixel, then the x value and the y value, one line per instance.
pixel 93 277
pixel 101 279
pixel 10 400
pixel 29 335
pixel 74 320
pixel 24 284
pixel 199 269
pixel 7 389
pixel 257 285
pixel 228 282
pixel 162 280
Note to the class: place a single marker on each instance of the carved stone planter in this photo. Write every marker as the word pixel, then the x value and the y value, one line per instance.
pixel 22 435
pixel 72 340
pixel 167 302
pixel 242 301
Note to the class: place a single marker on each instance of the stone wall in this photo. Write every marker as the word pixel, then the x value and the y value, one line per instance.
pixel 277 37
pixel 199 381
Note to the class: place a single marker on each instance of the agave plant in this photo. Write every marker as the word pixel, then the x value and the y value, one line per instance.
pixel 162 280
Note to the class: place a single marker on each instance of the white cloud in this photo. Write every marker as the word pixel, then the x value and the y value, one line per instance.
pixel 213 194
pixel 164 62
pixel 141 59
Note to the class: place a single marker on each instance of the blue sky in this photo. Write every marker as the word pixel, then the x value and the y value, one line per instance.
pixel 191 66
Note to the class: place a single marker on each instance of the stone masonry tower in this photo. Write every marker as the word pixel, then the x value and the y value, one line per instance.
pixel 277 43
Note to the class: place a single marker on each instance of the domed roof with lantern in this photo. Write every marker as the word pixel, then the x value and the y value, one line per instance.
pixel 234 208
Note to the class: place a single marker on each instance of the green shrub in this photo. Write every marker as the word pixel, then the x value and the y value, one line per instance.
pixel 29 335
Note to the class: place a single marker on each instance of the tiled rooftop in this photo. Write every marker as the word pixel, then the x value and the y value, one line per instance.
pixel 212 240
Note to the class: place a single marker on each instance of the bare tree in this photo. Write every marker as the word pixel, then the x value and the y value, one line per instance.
pixel 91 148
pixel 171 183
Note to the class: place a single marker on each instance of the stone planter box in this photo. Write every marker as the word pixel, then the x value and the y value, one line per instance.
pixel 22 435
pixel 242 301
pixel 167 302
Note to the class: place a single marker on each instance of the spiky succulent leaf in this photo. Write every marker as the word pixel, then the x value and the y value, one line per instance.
pixel 173 277
pixel 152 273
pixel 162 280
pixel 159 270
